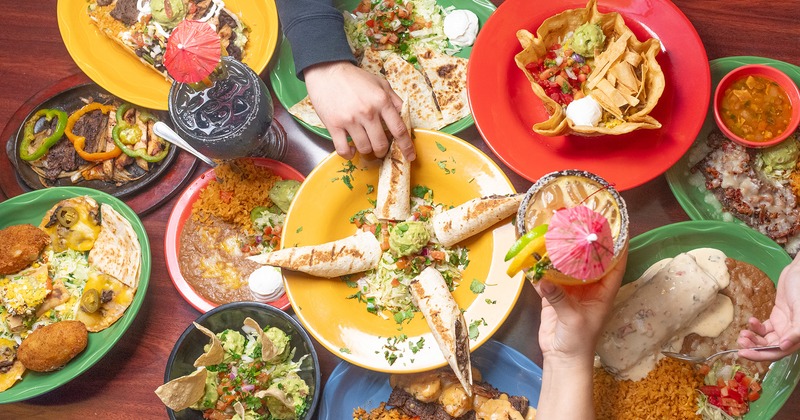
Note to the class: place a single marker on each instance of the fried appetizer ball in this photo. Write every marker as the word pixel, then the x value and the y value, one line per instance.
pixel 52 346
pixel 22 245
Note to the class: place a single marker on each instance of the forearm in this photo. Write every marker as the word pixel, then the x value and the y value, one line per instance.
pixel 566 389
pixel 315 30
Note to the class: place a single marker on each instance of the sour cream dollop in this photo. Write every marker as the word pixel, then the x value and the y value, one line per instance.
pixel 266 284
pixel 461 27
pixel 584 112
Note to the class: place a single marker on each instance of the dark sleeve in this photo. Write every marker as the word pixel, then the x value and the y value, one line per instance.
pixel 315 29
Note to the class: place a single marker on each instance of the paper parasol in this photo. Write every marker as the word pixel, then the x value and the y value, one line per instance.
pixel 193 51
pixel 579 242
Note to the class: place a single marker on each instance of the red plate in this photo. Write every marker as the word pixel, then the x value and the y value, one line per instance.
pixel 182 211
pixel 505 108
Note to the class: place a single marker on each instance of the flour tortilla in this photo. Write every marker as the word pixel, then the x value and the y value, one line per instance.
pixel 410 85
pixel 349 255
pixel 430 293
pixel 448 78
pixel 474 216
pixel 305 112
pixel 394 186
pixel 116 251
pixel 372 62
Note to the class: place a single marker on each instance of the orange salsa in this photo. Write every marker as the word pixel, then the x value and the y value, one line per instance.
pixel 756 108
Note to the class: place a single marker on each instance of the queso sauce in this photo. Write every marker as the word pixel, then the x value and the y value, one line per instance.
pixel 211 260
pixel 756 108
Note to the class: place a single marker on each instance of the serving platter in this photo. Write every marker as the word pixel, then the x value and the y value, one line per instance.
pixel 124 75
pixel 183 210
pixel 502 366
pixel 141 195
pixel 737 242
pixel 30 208
pixel 290 90
pixel 456 172
pixel 696 201
pixel 505 107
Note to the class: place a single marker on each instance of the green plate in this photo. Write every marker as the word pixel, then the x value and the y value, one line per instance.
pixel 291 90
pixel 698 203
pixel 737 242
pixel 30 208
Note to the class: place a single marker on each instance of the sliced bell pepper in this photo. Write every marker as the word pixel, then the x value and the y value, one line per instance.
pixel 78 142
pixel 524 240
pixel 29 136
pixel 125 134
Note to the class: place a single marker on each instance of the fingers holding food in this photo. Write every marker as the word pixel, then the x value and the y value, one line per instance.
pixel 22 245
pixel 52 346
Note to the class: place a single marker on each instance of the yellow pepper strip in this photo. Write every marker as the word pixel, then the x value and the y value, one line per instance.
pixel 78 142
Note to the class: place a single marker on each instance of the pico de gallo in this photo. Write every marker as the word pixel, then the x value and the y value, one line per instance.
pixel 396 25
pixel 562 73
pixel 728 389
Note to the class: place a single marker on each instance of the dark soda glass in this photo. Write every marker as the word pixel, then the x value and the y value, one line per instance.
pixel 231 118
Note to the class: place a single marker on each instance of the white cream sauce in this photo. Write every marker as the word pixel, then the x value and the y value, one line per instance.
pixel 643 321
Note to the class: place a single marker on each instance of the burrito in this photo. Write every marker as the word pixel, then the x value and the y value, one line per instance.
pixel 353 254
pixel 642 324
pixel 433 298
pixel 474 216
pixel 394 186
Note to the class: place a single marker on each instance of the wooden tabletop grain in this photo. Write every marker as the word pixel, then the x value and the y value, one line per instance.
pixel 33 57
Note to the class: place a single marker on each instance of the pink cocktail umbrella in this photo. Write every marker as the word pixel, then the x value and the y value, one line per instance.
pixel 579 242
pixel 193 51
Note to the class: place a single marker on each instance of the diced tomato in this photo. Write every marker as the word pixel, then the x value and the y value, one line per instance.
pixel 755 386
pixel 402 263
pixel 586 69
pixel 277 230
pixel 437 255
pixel 710 390
pixel 246 249
pixel 547 73
pixel 395 283
pixel 267 230
pixel 581 77
pixel 371 23
pixel 753 396
pixel 555 47
pixel 738 376
pixel 551 55
pixel 371 228
pixel 393 38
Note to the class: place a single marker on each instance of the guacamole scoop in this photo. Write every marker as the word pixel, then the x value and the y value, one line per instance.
pixel 168 12
pixel 408 238
pixel 587 39
pixel 781 158
pixel 283 192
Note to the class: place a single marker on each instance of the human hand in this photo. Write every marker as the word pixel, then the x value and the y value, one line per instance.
pixel 573 316
pixel 351 101
pixel 783 326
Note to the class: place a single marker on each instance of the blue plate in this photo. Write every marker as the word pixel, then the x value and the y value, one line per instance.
pixel 506 369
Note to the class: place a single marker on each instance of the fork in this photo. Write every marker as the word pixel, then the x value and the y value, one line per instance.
pixel 700 359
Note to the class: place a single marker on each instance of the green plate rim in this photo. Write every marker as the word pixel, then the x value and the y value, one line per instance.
pixel 761 251
pixel 290 90
pixel 677 175
pixel 100 343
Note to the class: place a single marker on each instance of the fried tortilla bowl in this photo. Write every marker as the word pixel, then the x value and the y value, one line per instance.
pixel 626 101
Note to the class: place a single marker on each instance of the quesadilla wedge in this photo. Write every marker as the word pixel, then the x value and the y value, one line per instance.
pixel 353 254
pixel 474 216
pixel 117 251
pixel 430 293
pixel 304 111
pixel 411 87
pixel 143 27
pixel 448 78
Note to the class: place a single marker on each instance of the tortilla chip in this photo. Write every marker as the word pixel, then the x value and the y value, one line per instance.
pixel 109 312
pixel 117 251
pixel 410 85
pixel 625 111
pixel 268 349
pixel 238 407
pixel 215 352
pixel 13 374
pixel 181 393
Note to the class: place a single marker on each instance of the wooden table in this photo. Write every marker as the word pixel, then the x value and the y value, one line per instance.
pixel 33 57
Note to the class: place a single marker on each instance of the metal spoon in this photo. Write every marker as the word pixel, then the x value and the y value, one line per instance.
pixel 701 359
pixel 164 131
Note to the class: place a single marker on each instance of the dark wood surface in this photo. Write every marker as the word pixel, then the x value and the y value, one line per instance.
pixel 33 57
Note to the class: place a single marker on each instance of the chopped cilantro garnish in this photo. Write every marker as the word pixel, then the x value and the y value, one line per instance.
pixel 477 287
pixel 441 147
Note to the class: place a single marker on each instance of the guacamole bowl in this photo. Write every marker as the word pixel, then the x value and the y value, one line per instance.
pixel 232 316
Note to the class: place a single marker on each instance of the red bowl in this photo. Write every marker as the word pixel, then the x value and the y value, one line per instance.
pixel 766 72
pixel 182 211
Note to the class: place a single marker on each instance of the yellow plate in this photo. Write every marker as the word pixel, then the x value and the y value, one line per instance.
pixel 124 75
pixel 320 213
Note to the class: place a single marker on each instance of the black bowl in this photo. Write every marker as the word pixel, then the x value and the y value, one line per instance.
pixel 231 316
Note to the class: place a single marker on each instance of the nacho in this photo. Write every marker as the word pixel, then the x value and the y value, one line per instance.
pixel 214 354
pixel 618 72
pixel 112 298
pixel 182 392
